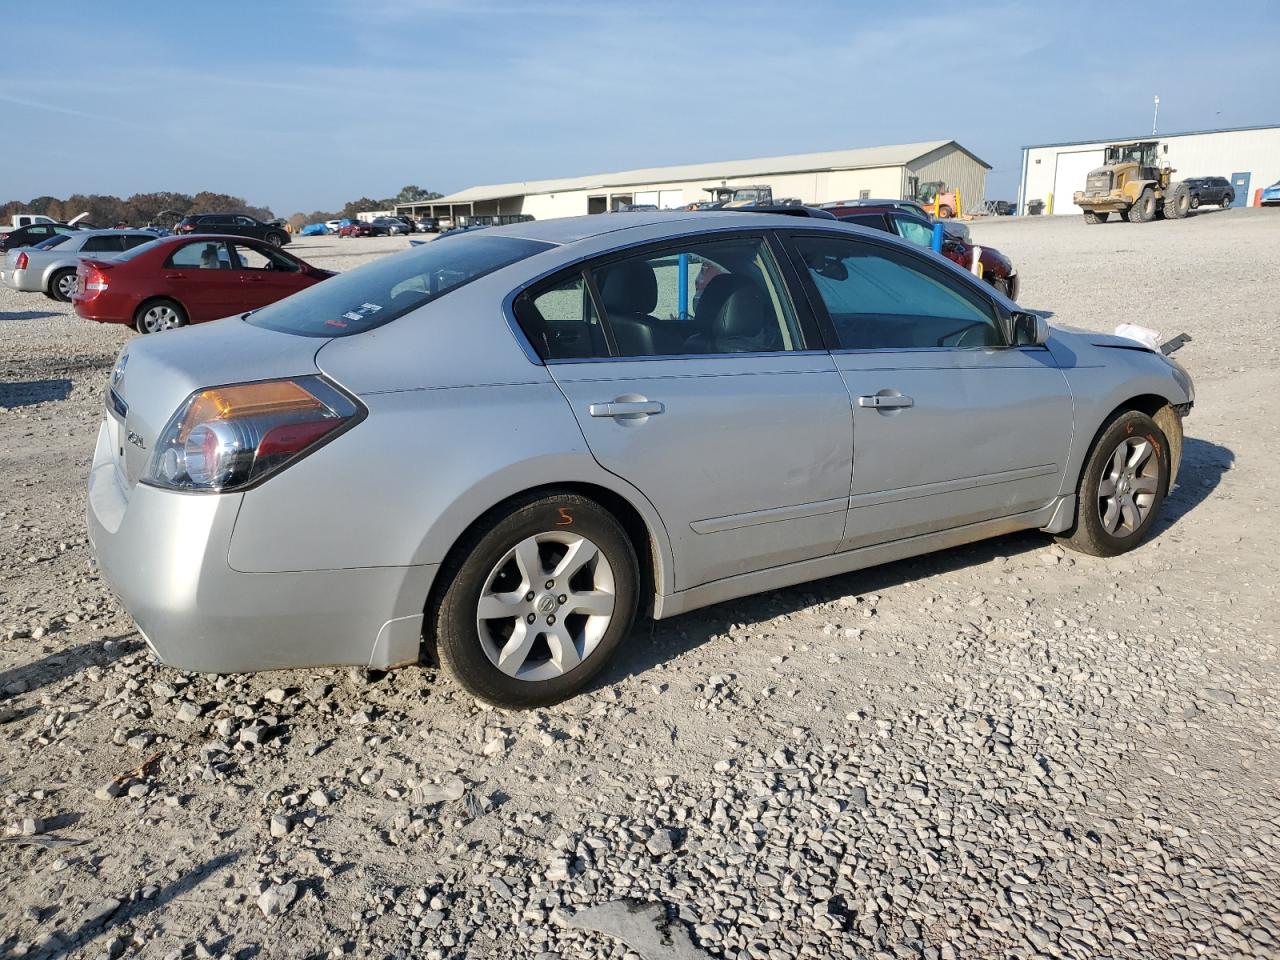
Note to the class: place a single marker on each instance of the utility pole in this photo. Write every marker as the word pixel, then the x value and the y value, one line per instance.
pixel 1155 115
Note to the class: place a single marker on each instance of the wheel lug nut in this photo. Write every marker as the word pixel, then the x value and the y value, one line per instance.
pixel 550 584
pixel 528 597
pixel 532 617
pixel 562 598
pixel 551 619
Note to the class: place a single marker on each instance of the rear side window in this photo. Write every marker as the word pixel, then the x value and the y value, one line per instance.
pixel 48 243
pixel 108 244
pixel 388 288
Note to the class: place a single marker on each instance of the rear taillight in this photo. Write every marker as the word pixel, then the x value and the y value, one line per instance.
pixel 21 262
pixel 95 281
pixel 226 438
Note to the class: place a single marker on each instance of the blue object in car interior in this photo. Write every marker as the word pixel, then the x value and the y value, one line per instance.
pixel 939 234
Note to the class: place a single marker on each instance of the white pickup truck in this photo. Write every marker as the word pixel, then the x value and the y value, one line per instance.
pixel 26 219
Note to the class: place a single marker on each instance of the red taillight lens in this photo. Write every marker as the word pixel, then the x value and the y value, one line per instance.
pixel 22 261
pixel 225 438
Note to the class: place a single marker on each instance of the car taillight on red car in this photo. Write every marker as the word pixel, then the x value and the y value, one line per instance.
pixel 226 438
pixel 21 262
pixel 90 281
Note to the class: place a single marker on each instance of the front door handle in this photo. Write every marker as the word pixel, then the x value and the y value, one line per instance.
pixel 252 279
pixel 175 276
pixel 626 409
pixel 881 401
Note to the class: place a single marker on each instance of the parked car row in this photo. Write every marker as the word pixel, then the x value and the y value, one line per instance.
pixel 389 226
pixel 49 267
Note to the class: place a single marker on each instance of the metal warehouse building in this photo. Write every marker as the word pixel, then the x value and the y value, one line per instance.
pixel 1247 156
pixel 882 172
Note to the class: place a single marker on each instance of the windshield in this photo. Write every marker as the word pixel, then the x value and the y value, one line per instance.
pixel 379 292
pixel 48 243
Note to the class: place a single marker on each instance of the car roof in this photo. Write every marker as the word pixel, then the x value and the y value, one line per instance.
pixel 566 230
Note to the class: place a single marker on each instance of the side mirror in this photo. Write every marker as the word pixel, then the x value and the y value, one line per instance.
pixel 1030 330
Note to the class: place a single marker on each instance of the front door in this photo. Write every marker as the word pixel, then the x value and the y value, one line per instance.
pixel 263 276
pixel 704 390
pixel 951 425
pixel 1240 187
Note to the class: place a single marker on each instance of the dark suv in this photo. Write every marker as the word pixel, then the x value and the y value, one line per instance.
pixel 235 224
pixel 1213 190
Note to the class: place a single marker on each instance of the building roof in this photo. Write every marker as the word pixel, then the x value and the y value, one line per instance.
pixel 1158 136
pixel 863 158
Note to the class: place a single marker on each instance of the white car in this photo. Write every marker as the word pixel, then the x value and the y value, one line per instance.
pixel 332 225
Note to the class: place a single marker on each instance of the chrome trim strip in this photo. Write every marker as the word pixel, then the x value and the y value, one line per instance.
pixel 772 515
pixel 947 486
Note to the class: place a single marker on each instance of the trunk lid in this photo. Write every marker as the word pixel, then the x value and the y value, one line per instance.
pixel 163 369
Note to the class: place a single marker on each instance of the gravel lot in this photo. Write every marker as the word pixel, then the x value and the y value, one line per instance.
pixel 997 751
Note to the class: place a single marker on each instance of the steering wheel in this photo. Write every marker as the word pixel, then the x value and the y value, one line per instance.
pixel 962 336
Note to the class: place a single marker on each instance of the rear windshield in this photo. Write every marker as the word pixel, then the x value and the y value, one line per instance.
pixel 48 243
pixel 379 292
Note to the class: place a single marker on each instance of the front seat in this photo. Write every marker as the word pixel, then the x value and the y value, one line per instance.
pixel 745 324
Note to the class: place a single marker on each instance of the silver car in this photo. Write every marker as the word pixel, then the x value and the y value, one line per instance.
pixel 499 447
pixel 50 266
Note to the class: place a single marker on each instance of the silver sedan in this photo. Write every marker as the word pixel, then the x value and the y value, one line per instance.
pixel 498 448
pixel 50 266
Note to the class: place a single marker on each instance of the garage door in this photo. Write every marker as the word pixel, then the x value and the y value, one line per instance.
pixel 671 199
pixel 1069 177
pixel 646 198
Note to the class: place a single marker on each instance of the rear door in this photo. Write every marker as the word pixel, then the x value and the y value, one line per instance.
pixel 951 425
pixel 695 378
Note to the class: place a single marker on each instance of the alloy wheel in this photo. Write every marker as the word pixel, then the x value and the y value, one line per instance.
pixel 545 606
pixel 160 317
pixel 66 286
pixel 1127 491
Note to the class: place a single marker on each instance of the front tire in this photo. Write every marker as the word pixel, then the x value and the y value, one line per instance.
pixel 536 601
pixel 1144 208
pixel 62 284
pixel 945 212
pixel 157 316
pixel 277 239
pixel 1122 487
pixel 1096 216
pixel 1177 202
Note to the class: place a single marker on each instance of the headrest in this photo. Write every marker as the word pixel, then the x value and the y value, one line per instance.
pixel 630 288
pixel 743 314
pixel 714 296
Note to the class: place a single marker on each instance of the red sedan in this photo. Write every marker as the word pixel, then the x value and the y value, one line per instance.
pixel 174 281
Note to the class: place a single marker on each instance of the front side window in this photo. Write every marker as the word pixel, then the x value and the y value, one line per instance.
pixel 369 296
pixel 884 299
pixel 246 257
pixel 200 256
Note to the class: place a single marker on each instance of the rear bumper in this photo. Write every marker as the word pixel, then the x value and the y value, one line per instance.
pixel 164 555
pixel 104 308
pixel 21 280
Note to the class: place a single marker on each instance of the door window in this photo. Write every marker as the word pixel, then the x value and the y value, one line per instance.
pixel 102 245
pixel 710 297
pixel 200 256
pixel 247 257
pixel 561 321
pixel 913 231
pixel 136 240
pixel 884 299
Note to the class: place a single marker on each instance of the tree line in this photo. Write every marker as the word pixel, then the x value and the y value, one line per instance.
pixel 166 208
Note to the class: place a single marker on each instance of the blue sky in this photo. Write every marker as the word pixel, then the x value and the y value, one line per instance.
pixel 304 105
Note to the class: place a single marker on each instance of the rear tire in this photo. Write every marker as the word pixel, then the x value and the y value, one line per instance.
pixel 1144 208
pixel 1177 202
pixel 1096 216
pixel 1122 487
pixel 493 567
pixel 1227 201
pixel 61 285
pixel 945 212
pixel 277 239
pixel 157 316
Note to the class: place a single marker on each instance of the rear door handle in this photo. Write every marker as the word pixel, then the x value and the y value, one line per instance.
pixel 626 409
pixel 251 279
pixel 880 402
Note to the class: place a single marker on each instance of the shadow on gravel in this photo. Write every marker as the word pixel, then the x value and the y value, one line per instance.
pixel 1203 464
pixel 27 315
pixel 95 923
pixel 690 631
pixel 64 662
pixel 24 393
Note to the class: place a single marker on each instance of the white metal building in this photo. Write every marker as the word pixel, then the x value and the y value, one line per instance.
pixel 890 172
pixel 1248 156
